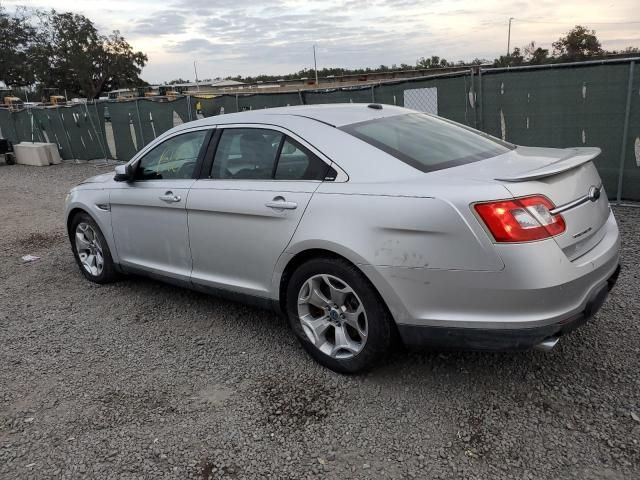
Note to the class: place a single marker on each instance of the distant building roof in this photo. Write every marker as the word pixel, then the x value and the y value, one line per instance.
pixel 214 83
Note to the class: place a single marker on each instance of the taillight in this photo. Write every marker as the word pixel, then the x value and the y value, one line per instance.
pixel 521 220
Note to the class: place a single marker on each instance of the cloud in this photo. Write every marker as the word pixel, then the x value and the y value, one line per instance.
pixel 165 23
pixel 228 37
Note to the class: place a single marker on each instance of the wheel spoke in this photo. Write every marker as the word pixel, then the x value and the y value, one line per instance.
pixel 314 295
pixel 81 241
pixel 315 328
pixel 338 295
pixel 352 319
pixel 343 342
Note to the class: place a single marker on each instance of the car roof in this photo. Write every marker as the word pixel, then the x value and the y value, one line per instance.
pixel 336 115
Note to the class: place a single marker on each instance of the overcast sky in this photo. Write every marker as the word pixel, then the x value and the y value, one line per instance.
pixel 246 37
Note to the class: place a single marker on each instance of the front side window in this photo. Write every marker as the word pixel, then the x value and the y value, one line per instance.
pixel 262 154
pixel 173 159
pixel 427 143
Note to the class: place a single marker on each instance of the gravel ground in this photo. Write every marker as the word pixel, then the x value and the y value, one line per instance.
pixel 144 380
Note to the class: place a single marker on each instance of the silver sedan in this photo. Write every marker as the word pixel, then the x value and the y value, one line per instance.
pixel 362 224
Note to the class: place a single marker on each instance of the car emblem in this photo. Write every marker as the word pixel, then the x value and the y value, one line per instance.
pixel 594 193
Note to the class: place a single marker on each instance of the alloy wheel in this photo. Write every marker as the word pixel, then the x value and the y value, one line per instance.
pixel 89 249
pixel 332 316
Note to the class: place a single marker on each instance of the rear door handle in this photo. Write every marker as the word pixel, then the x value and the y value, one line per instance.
pixel 280 203
pixel 169 197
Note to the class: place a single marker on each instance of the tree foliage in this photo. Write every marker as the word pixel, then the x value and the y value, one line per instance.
pixel 65 51
pixel 17 37
pixel 578 44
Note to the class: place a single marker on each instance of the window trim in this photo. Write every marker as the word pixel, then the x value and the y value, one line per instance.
pixel 205 173
pixel 135 161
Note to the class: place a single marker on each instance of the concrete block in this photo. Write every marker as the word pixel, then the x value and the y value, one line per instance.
pixel 36 154
pixel 54 154
pixel 26 153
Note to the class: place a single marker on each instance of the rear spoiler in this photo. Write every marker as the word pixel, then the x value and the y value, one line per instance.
pixel 574 158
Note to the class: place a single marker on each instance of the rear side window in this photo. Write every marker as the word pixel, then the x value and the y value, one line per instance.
pixel 427 143
pixel 263 154
pixel 298 163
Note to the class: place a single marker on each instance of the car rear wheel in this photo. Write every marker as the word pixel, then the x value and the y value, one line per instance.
pixel 337 315
pixel 91 250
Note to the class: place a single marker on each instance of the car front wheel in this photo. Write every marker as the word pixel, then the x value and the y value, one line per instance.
pixel 91 250
pixel 338 316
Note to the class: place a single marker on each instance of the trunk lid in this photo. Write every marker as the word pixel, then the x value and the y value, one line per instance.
pixel 567 177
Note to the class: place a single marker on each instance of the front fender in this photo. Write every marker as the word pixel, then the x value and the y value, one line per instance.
pixel 93 202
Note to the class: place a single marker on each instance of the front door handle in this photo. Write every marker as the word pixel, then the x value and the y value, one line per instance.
pixel 279 203
pixel 169 197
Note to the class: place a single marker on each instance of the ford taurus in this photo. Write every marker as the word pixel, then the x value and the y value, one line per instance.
pixel 361 224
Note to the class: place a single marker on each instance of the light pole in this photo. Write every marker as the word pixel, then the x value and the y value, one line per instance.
pixel 195 70
pixel 315 65
pixel 509 37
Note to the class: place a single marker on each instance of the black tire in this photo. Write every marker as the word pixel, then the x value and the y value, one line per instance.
pixel 108 273
pixel 379 321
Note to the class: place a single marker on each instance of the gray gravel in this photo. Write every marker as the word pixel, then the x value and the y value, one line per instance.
pixel 143 380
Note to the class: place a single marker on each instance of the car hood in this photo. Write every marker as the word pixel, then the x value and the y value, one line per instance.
pixel 102 178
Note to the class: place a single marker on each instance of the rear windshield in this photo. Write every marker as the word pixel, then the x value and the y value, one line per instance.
pixel 427 143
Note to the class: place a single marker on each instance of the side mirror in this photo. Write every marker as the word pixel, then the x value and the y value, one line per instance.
pixel 124 173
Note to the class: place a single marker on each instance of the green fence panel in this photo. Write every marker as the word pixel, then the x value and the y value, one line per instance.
pixel 155 118
pixel 98 121
pixel 7 127
pixel 560 107
pixel 85 141
pixel 22 122
pixel 268 100
pixel 206 106
pixel 182 108
pixel 223 104
pixel 631 174
pixel 51 130
pixel 127 136
pixel 360 94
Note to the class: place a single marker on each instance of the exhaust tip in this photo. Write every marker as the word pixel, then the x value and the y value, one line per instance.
pixel 547 344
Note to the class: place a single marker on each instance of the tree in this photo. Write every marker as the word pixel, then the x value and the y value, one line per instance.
pixel 72 55
pixel 514 59
pixel 433 62
pixel 578 44
pixel 16 41
pixel 535 55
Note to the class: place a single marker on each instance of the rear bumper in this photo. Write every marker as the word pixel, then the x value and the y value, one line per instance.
pixel 504 339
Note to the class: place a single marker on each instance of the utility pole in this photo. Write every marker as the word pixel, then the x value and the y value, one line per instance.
pixel 509 37
pixel 315 65
pixel 196 72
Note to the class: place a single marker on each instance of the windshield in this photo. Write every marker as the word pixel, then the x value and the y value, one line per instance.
pixel 427 143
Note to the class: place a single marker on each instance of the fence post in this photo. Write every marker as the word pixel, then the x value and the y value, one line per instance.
pixel 237 104
pixel 480 109
pixel 373 95
pixel 473 98
pixel 300 95
pixel 625 131
pixel 188 97
pixel 140 125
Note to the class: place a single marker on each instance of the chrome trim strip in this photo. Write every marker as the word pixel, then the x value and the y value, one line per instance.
pixel 569 206
pixel 575 203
